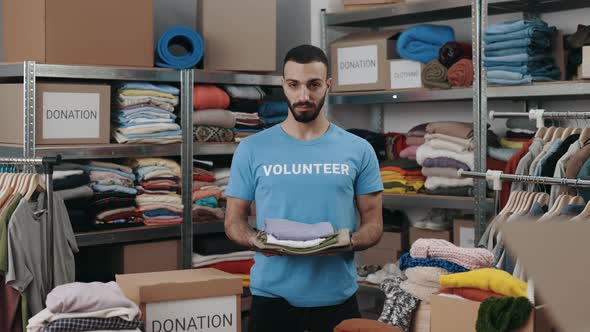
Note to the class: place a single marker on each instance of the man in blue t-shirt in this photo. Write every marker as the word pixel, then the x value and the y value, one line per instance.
pixel 305 169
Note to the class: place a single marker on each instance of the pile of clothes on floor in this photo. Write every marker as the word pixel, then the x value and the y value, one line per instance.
pixel 113 201
pixel 297 238
pixel 145 114
pixel 519 52
pixel 89 307
pixel 448 148
pixel 158 200
pixel 448 62
pixel 435 266
pixel 208 191
pixel 218 252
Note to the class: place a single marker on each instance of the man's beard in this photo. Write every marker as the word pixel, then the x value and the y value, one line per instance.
pixel 306 117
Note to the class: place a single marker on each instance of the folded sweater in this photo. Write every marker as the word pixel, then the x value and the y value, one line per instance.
pixel 425 151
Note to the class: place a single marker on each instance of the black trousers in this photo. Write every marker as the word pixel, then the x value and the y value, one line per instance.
pixel 276 314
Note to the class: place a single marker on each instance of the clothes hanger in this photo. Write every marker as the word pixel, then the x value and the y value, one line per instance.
pixel 557 133
pixel 541 132
pixel 33 185
pixel 548 134
pixel 576 131
pixel 584 135
pixel 528 202
pixel 556 209
pixel 583 216
pixel 542 199
pixel 566 133
pixel 577 200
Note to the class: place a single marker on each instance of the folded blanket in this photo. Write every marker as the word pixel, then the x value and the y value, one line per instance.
pixel 209 96
pixel 462 130
pixel 441 144
pixel 214 117
pixel 434 75
pixel 422 42
pixel 466 143
pixel 470 258
pixel 435 182
pixel 239 267
pixel 244 92
pixel 451 52
pixel 426 152
pixel 213 134
pixel 338 243
pixel 461 73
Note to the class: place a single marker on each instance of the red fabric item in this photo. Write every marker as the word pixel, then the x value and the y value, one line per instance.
pixel 204 178
pixel 461 73
pixel 496 165
pixel 209 96
pixel 364 325
pixel 473 294
pixel 395 143
pixel 239 267
pixel 510 169
pixel 401 171
pixel 10 318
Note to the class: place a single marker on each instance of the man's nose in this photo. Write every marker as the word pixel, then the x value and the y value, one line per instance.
pixel 303 94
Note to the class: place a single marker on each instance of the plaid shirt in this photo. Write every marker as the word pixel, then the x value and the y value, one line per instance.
pixel 92 324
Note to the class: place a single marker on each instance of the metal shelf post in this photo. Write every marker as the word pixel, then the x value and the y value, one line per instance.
pixel 186 160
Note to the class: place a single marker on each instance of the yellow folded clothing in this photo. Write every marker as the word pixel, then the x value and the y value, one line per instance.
pixel 151 93
pixel 494 280
pixel 385 173
pixel 398 190
pixel 508 144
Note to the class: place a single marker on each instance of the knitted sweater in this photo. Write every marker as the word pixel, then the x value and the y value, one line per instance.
pixel 406 261
pixel 470 258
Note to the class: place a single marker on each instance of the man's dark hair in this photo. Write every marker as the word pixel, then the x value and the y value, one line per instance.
pixel 306 54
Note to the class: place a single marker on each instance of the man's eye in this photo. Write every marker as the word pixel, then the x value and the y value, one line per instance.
pixel 293 85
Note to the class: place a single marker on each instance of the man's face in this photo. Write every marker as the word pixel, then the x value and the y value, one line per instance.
pixel 306 87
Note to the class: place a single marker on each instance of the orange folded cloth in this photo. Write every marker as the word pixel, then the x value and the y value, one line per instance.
pixel 473 294
pixel 401 171
pixel 198 194
pixel 210 97
pixel 364 325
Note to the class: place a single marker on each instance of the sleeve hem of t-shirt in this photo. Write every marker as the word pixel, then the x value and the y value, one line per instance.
pixel 241 196
pixel 370 191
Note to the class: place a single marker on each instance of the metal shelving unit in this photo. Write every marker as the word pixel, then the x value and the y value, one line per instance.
pixel 431 11
pixel 212 149
pixel 431 201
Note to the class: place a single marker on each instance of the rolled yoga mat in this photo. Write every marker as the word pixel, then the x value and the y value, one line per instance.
pixel 182 36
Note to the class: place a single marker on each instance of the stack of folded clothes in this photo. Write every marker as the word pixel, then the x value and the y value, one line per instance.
pixel 218 252
pixel 514 140
pixel 212 121
pixel 519 52
pixel 206 196
pixel 244 103
pixel 92 306
pixel 413 142
pixel 273 111
pixel 145 114
pixel 401 176
pixel 297 238
pixel 71 182
pixel 158 200
pixel 113 202
pixel 448 148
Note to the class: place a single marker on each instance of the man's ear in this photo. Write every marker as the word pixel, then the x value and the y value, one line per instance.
pixel 329 82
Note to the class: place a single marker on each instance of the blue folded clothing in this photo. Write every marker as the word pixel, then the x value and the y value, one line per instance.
pixel 525 80
pixel 243 130
pixel 532 51
pixel 517 58
pixel 127 123
pixel 164 88
pixel 186 37
pixel 142 171
pixel 524 42
pixel 160 213
pixel 422 42
pixel 115 188
pixel 271 121
pixel 270 108
pixel 517 25
pixel 158 134
pixel 518 30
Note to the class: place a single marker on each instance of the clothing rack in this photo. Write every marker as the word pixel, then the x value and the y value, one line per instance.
pixel 47 164
pixel 539 115
pixel 497 176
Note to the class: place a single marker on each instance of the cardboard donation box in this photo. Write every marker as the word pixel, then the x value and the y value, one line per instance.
pixel 64 113
pixel 388 250
pixel 449 314
pixel 106 32
pixel 405 74
pixel 464 232
pixel 186 300
pixel 359 62
pixel 239 35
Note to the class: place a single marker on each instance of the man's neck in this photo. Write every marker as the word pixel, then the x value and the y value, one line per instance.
pixel 306 131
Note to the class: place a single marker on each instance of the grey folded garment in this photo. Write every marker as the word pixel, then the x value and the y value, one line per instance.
pixel 284 229
pixel 75 193
pixel 445 172
pixel 335 244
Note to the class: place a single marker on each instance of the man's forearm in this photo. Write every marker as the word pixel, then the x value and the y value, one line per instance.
pixel 366 236
pixel 240 232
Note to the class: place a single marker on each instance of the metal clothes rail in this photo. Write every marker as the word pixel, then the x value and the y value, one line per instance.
pixel 539 115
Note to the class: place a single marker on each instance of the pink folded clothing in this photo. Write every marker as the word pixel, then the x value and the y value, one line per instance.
pixel 409 152
pixel 469 258
pixel 156 221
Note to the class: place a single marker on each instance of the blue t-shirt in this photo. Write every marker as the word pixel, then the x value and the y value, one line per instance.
pixel 305 181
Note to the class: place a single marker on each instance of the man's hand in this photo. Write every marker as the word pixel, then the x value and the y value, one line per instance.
pixel 236 222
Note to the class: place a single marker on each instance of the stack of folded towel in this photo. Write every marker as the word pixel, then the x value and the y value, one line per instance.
pixel 244 103
pixel 145 114
pixel 448 148
pixel 297 238
pixel 208 192
pixel 273 111
pixel 113 202
pixel 401 176
pixel 71 182
pixel 519 52
pixel 87 307
pixel 158 200
pixel 518 134
pixel 212 120
pixel 423 42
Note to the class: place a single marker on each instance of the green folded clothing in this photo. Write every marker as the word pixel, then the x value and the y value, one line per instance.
pixel 339 242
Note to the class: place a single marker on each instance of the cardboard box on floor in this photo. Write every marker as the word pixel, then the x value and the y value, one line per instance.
pixel 65 113
pixel 106 32
pixel 419 233
pixel 555 255
pixel 449 314
pixel 239 35
pixel 464 232
pixel 359 62
pixel 186 300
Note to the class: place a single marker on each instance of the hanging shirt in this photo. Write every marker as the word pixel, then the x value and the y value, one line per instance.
pixel 308 181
